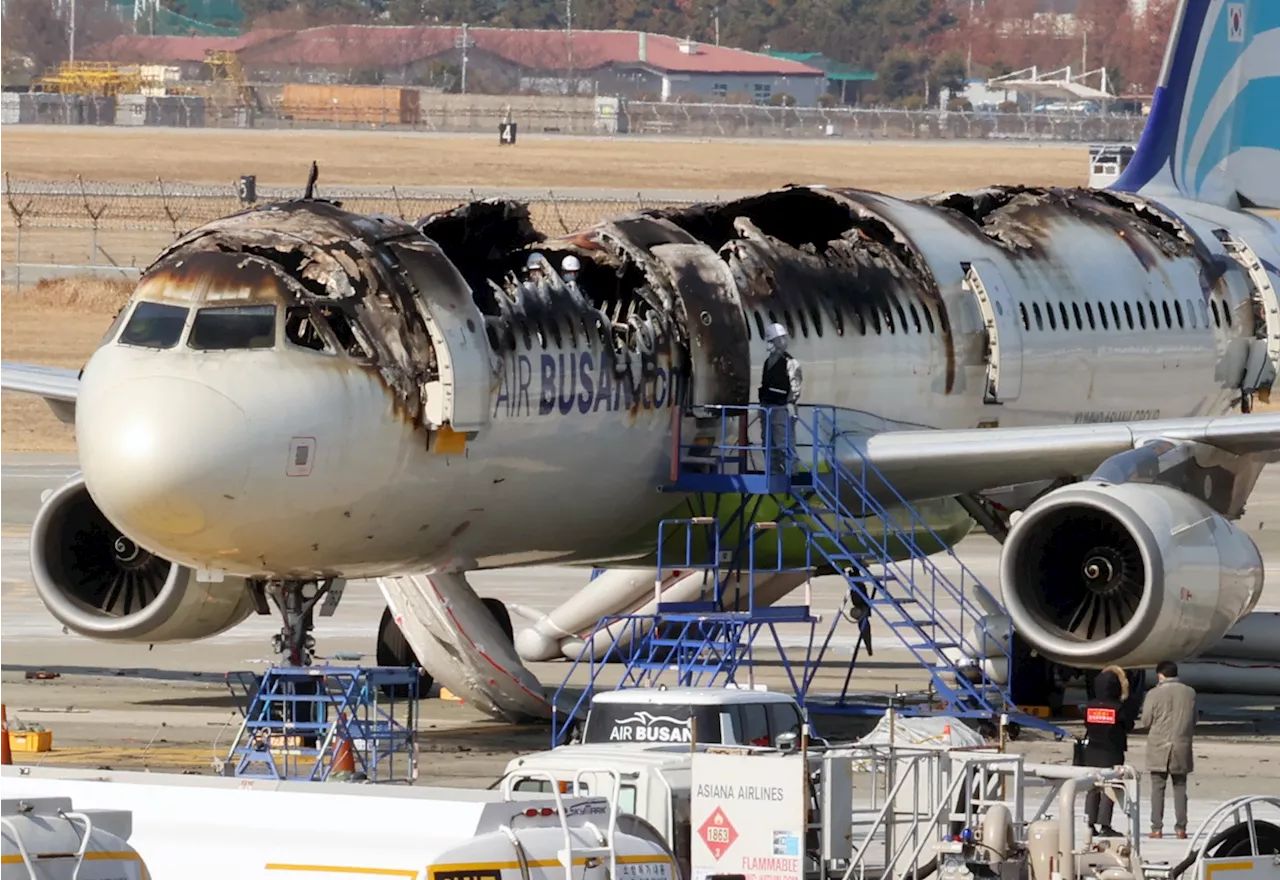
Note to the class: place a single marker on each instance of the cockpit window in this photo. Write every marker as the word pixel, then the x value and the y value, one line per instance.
pixel 155 325
pixel 343 331
pixel 300 329
pixel 233 327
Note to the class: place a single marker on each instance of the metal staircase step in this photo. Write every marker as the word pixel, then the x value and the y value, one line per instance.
pixel 922 624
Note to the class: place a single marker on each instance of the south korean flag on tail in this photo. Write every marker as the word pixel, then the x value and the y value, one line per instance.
pixel 1235 22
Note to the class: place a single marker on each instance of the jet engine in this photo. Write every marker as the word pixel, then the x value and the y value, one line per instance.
pixel 100 584
pixel 1129 574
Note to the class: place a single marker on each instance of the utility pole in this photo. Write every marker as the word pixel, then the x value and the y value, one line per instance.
pixel 71 37
pixel 568 41
pixel 464 42
pixel 716 13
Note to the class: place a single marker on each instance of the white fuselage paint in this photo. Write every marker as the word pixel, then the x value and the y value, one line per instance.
pixel 189 453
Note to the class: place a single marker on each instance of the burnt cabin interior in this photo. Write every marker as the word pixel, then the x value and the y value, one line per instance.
pixel 489 243
pixel 864 270
pixel 835 268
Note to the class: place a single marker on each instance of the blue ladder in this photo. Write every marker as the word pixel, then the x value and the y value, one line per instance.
pixel 698 642
pixel 906 592
pixel 889 575
pixel 299 719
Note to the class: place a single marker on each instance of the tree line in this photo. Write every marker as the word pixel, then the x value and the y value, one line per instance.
pixel 916 47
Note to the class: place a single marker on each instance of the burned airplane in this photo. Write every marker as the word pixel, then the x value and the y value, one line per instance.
pixel 297 395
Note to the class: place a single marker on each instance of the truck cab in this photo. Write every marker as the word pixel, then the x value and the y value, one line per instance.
pixel 714 716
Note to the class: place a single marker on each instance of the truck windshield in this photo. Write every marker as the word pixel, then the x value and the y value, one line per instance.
pixel 620 723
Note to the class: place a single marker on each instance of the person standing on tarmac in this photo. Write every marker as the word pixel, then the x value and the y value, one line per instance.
pixel 780 385
pixel 1169 715
pixel 1107 723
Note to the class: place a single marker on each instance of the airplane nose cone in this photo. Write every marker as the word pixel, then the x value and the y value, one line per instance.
pixel 163 457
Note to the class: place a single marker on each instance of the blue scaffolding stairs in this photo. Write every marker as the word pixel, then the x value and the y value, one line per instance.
pixel 832 506
pixel 310 722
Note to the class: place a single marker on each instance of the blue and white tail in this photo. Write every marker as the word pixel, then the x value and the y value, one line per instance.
pixel 1214 130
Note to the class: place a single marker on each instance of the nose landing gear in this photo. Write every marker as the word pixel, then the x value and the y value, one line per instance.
pixel 296 601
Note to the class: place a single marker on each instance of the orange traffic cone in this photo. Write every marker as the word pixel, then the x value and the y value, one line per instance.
pixel 6 755
pixel 343 760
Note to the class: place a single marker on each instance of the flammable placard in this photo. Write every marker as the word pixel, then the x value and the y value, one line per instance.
pixel 748 816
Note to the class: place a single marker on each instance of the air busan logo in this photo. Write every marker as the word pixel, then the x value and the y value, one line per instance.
pixel 1235 22
pixel 643 727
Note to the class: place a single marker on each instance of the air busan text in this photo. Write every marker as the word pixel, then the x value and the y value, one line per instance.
pixel 582 382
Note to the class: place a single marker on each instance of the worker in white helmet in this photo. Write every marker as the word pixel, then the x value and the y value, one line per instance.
pixel 780 385
pixel 535 275
pixel 569 268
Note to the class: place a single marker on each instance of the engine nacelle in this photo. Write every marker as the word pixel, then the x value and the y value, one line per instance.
pixel 100 584
pixel 1129 574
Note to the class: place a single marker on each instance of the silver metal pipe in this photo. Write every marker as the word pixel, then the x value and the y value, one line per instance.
pixel 1067 810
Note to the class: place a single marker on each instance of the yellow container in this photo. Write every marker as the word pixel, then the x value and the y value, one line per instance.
pixel 31 740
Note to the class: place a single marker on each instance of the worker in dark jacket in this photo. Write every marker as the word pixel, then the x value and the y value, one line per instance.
pixel 1107 726
pixel 781 381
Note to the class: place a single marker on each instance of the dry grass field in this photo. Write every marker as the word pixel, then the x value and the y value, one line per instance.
pixel 553 162
pixel 58 323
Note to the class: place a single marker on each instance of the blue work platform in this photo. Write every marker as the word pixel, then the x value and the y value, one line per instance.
pixel 809 500
pixel 318 723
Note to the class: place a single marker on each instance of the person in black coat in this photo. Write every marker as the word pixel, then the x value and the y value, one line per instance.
pixel 1108 721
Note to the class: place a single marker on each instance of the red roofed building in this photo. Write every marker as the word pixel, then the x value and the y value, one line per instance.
pixel 628 63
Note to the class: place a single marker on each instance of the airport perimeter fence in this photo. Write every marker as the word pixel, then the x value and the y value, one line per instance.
pixel 582 116
pixel 99 228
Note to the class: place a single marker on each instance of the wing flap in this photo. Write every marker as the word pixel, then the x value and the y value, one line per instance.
pixel 935 464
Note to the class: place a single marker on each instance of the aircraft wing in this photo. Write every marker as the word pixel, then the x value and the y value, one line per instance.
pixel 933 464
pixel 57 385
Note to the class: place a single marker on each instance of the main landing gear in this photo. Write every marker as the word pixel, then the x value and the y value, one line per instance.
pixel 394 650
pixel 298 601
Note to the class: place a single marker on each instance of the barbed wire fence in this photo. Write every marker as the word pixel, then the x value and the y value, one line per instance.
pixel 124 225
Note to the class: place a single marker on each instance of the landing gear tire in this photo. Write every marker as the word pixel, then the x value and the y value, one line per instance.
pixel 502 616
pixel 394 650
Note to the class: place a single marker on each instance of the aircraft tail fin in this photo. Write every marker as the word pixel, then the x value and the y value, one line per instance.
pixel 1214 130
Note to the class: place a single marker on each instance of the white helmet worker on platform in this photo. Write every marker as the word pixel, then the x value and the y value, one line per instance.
pixel 775 335
pixel 569 268
pixel 780 384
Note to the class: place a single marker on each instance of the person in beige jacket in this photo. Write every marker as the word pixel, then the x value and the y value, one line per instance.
pixel 1169 716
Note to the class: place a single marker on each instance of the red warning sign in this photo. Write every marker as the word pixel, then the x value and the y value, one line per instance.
pixel 717 833
pixel 1099 715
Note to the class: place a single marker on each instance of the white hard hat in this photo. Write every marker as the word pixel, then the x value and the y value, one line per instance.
pixel 570 264
pixel 774 331
pixel 534 261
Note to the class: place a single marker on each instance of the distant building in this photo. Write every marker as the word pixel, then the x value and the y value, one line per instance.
pixel 631 64
pixel 844 81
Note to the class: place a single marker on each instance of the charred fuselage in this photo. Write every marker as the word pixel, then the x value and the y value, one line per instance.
pixel 408 400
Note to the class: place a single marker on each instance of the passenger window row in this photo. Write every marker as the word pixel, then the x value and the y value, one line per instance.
pixel 1133 315
pixel 915 318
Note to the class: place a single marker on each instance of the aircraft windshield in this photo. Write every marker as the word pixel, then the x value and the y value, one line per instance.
pixel 234 327
pixel 154 325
